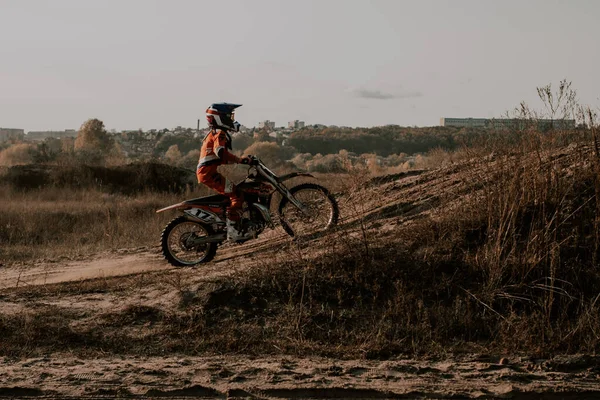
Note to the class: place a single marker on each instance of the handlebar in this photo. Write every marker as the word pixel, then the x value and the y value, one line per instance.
pixel 271 177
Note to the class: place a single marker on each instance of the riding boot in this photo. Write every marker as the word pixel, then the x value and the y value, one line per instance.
pixel 235 233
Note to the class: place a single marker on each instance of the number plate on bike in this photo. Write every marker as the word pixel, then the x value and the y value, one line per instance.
pixel 204 215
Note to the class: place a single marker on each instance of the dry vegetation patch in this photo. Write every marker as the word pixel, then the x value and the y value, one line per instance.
pixel 506 258
pixel 52 211
pixel 125 179
pixel 496 253
pixel 45 225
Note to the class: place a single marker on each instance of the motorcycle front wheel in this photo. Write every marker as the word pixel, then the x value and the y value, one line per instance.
pixel 323 210
pixel 177 243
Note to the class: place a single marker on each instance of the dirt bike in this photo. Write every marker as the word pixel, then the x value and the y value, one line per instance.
pixel 193 237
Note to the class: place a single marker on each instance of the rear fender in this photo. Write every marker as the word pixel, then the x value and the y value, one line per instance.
pixel 177 206
pixel 286 177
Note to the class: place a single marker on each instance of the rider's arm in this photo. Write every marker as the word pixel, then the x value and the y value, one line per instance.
pixel 222 152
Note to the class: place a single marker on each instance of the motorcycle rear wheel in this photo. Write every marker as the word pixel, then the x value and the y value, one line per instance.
pixel 174 242
pixel 320 203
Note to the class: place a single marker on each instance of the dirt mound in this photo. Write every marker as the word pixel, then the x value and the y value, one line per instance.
pixel 126 179
pixel 499 252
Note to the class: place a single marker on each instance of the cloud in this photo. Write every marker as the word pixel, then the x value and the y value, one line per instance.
pixel 381 95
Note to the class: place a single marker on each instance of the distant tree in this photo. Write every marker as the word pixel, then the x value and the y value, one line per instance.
pixel 242 141
pixel 116 156
pixel 44 153
pixel 190 160
pixel 54 144
pixel 382 141
pixel 326 163
pixel 92 136
pixel 270 153
pixel 67 145
pixel 173 154
pixel 262 135
pixel 184 144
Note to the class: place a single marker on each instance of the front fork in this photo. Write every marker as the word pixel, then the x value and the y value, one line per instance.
pixel 298 204
pixel 265 213
pixel 281 188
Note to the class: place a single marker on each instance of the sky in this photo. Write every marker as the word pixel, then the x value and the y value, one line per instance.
pixel 159 64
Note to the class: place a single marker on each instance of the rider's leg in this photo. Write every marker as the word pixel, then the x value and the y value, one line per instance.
pixel 209 176
pixel 234 211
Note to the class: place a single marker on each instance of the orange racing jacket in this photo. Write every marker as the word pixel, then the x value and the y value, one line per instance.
pixel 215 141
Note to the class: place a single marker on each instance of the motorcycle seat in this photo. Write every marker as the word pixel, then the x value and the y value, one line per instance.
pixel 217 199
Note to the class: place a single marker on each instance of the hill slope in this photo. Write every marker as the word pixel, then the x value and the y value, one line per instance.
pixel 494 254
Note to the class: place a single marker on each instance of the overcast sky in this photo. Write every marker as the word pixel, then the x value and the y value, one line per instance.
pixel 158 64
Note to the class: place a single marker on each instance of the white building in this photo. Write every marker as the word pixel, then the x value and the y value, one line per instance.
pixel 464 122
pixel 266 124
pixel 41 135
pixel 296 124
pixel 506 123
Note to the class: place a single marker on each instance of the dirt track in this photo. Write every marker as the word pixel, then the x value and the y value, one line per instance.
pixel 287 377
pixel 127 262
pixel 143 260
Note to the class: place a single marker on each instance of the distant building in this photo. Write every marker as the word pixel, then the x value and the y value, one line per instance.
pixel 9 133
pixel 266 124
pixel 296 124
pixel 506 123
pixel 464 122
pixel 42 135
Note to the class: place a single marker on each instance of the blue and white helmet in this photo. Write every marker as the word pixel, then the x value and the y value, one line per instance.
pixel 221 115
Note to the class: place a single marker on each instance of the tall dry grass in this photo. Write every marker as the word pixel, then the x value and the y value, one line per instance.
pixel 509 267
pixel 64 222
pixel 68 222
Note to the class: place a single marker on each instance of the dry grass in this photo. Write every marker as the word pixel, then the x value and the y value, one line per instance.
pixel 51 222
pixel 497 251
pixel 56 222
pixel 510 266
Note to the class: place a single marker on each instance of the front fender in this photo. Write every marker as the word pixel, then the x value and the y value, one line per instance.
pixel 293 175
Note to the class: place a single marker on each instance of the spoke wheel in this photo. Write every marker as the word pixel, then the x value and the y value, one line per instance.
pixel 177 243
pixel 323 210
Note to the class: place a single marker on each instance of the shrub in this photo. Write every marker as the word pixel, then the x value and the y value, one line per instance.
pixel 173 154
pixel 18 154
pixel 270 153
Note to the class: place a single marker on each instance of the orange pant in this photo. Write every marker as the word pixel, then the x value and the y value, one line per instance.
pixel 209 176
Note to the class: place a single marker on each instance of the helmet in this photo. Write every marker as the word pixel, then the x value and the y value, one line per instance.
pixel 221 115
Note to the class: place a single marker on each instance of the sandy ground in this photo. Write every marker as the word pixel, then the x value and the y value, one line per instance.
pixel 63 376
pixel 575 377
pixel 130 262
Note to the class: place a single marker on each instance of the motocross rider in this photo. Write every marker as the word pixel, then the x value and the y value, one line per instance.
pixel 215 151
